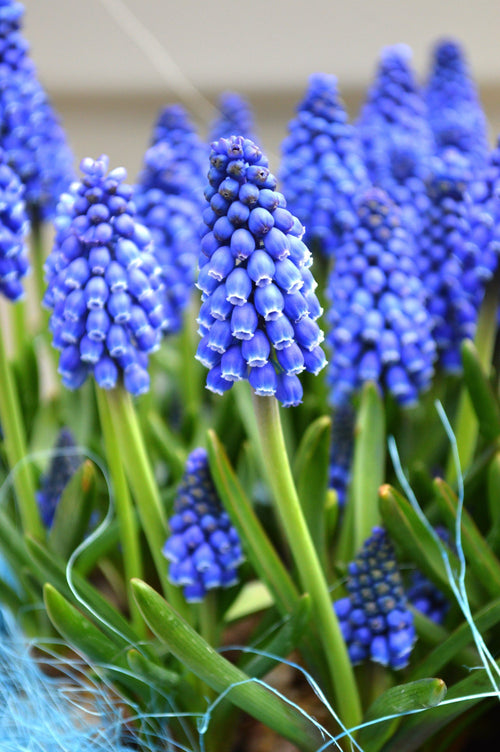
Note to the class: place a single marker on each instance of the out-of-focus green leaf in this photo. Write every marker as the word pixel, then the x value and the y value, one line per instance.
pixel 73 511
pixel 481 393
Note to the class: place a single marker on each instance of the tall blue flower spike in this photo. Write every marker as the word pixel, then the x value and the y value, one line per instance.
pixel 14 263
pixel 380 329
pixel 341 450
pixel 449 259
pixel 204 548
pixel 235 118
pixel 322 167
pixel 258 319
pixel 395 133
pixel 164 197
pixel 455 112
pixel 486 216
pixel 174 128
pixel 104 284
pixel 30 132
pixel 63 466
pixel 374 618
pixel 424 595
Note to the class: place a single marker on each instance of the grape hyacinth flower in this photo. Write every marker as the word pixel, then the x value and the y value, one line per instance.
pixel 341 450
pixel 375 620
pixel 258 319
pixel 449 260
pixel 30 133
pixel 63 466
pixel 322 168
pixel 165 204
pixel 14 263
pixel 454 109
pixel 204 549
pixel 104 287
pixel 395 134
pixel 235 118
pixel 380 329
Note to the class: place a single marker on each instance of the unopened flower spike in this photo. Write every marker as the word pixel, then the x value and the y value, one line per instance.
pixel 454 108
pixel 165 197
pixel 31 133
pixel 395 133
pixel 379 327
pixel 235 118
pixel 14 263
pixel 341 450
pixel 63 466
pixel 486 217
pixel 258 319
pixel 375 620
pixel 204 549
pixel 322 168
pixel 448 259
pixel 104 284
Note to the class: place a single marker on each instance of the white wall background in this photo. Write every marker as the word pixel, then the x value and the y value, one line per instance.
pixel 110 64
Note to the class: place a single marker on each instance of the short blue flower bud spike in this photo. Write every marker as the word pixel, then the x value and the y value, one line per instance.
pixel 235 118
pixel 374 618
pixel 455 113
pixel 258 299
pixel 30 133
pixel 380 329
pixel 14 263
pixel 341 450
pixel 65 462
pixel 395 134
pixel 322 166
pixel 106 316
pixel 204 549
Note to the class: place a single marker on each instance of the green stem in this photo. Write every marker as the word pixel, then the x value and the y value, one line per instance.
pixel 190 376
pixel 38 257
pixel 19 328
pixel 129 534
pixel 12 423
pixel 466 424
pixel 147 498
pixel 306 558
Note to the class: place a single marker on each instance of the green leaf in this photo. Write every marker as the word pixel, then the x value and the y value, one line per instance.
pixel 425 693
pixel 493 537
pixel 368 470
pixel 416 540
pixel 257 545
pixel 481 393
pixel 480 559
pixel 311 468
pixel 282 643
pixel 198 656
pixel 82 635
pixel 73 511
pixel 254 596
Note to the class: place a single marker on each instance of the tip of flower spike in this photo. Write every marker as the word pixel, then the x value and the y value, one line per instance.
pixel 396 52
pixel 448 51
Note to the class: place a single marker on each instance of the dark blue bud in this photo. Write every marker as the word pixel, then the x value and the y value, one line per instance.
pixel 283 219
pixel 248 194
pixel 238 214
pixel 223 229
pixel 269 200
pixel 260 221
pixel 229 189
pixel 242 243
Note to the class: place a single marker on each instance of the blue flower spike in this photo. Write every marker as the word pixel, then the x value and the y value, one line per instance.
pixel 341 450
pixel 380 329
pixel 14 262
pixel 322 168
pixel 375 620
pixel 235 118
pixel 204 549
pixel 103 284
pixel 258 319
pixel 63 466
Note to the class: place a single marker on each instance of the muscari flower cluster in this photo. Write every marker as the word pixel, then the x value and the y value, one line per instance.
pixel 395 134
pixel 165 204
pixel 30 133
pixel 258 318
pixel 64 464
pixel 374 618
pixel 341 450
pixel 380 329
pixel 454 110
pixel 104 286
pixel 322 166
pixel 449 261
pixel 14 262
pixel 204 548
pixel 235 118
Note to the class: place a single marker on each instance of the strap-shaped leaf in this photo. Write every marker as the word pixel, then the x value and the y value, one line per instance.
pixel 73 511
pixel 197 655
pixel 481 393
pixel 425 693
